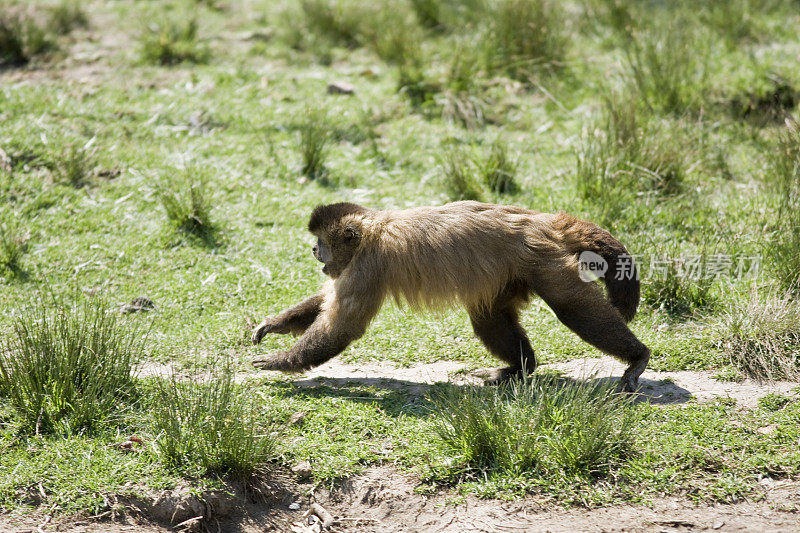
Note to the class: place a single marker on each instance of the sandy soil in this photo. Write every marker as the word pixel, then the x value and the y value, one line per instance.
pixel 655 387
pixel 383 500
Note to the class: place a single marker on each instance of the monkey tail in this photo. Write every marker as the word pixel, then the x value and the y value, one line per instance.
pixel 621 277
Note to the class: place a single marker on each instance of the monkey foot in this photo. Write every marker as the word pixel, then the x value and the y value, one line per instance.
pixel 496 376
pixel 268 362
pixel 275 361
pixel 628 384
pixel 630 378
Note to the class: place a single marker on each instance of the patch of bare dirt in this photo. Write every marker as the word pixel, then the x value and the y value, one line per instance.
pixel 382 500
pixel 655 387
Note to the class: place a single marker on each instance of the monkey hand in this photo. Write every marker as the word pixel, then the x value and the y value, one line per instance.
pixel 274 361
pixel 269 325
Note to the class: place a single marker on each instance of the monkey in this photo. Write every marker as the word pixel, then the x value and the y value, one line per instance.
pixel 491 259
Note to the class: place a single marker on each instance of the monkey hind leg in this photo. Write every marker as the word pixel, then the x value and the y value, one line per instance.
pixel 502 334
pixel 583 308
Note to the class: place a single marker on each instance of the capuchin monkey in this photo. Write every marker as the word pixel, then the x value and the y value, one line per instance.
pixel 489 258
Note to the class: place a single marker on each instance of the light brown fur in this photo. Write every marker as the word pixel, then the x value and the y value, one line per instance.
pixel 488 258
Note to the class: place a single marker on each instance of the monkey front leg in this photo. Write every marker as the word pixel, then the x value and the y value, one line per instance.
pixel 294 320
pixel 344 319
pixel 322 341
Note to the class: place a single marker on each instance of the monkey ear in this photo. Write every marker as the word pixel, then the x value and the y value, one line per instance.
pixel 350 233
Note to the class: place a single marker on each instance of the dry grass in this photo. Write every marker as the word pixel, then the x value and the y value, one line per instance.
pixel 762 337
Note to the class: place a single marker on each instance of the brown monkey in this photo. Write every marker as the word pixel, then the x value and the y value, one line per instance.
pixel 489 258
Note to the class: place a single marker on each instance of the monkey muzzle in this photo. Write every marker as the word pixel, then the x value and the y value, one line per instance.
pixel 319 257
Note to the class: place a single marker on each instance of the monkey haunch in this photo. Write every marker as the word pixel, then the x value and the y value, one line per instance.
pixel 488 258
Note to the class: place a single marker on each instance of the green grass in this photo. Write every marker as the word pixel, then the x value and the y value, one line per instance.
pixel 67 15
pixel 459 176
pixel 73 165
pixel 714 452
pixel 172 40
pixel 22 36
pixel 319 25
pixel 541 427
pixel 209 425
pixel 13 245
pixel 785 249
pixel 596 449
pixel 524 37
pixel 668 66
pixel 315 138
pixel 77 475
pixel 27 32
pixel 679 288
pixel 187 205
pixel 499 169
pixel 627 157
pixel 179 159
pixel 68 368
pixel 762 339
pixel 342 430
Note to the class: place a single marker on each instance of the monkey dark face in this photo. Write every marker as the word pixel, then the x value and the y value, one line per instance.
pixel 322 252
pixel 335 249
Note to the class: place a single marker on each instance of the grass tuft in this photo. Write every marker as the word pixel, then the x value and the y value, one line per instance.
pixel 22 36
pixel 315 137
pixel 188 207
pixel 339 23
pixel 762 339
pixel 74 165
pixel 679 289
pixel 13 245
pixel 68 368
pixel 458 178
pixel 66 16
pixel 774 401
pixel 462 98
pixel 320 25
pixel 668 67
pixel 30 31
pixel 542 425
pixel 210 424
pixel 523 37
pixel 784 248
pixel 170 40
pixel 417 86
pixel 498 169
pixel 428 13
pixel 624 157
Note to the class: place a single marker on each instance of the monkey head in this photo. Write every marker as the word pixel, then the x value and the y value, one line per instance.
pixel 339 232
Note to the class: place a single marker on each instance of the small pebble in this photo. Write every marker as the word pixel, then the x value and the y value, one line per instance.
pixel 340 87
pixel 138 304
pixel 297 419
pixel 302 470
pixel 294 506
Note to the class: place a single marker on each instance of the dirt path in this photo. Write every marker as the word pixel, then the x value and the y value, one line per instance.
pixel 655 387
pixel 382 500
